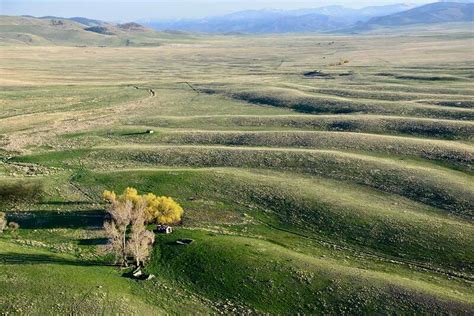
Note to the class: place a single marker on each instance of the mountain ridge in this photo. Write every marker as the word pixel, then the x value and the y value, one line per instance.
pixel 323 19
pixel 327 18
pixel 439 12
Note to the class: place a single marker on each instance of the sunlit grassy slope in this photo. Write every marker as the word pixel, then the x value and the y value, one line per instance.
pixel 25 30
pixel 309 185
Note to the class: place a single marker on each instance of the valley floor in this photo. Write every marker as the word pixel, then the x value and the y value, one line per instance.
pixel 319 174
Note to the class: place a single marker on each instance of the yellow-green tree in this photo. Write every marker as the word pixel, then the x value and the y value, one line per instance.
pixel 162 210
pixel 158 209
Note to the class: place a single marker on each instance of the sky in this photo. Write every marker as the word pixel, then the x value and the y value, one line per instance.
pixel 129 10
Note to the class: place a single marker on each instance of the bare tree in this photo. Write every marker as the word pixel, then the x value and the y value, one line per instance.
pixel 127 231
pixel 140 239
pixel 3 221
pixel 116 228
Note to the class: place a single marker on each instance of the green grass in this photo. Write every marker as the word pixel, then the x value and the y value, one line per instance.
pixel 280 269
pixel 41 282
pixel 277 280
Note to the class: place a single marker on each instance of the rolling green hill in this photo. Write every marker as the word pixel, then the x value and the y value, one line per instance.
pixel 318 174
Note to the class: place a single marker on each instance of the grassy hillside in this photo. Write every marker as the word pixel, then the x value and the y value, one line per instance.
pixel 77 32
pixel 430 13
pixel 318 174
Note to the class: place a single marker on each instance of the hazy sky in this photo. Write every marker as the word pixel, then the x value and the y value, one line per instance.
pixel 163 9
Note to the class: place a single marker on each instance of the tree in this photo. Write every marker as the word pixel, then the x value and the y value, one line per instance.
pixel 140 239
pixel 159 209
pixel 162 210
pixel 3 222
pixel 120 219
pixel 129 214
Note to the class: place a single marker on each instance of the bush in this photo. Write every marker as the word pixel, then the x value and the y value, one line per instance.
pixel 22 191
pixel 13 226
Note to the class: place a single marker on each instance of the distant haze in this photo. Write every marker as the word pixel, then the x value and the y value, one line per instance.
pixel 163 9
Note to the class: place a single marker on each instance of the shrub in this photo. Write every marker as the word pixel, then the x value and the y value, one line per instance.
pixel 13 226
pixel 21 191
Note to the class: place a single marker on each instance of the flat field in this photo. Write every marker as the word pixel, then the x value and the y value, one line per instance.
pixel 319 174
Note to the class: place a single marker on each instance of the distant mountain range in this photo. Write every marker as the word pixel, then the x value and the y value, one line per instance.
pixel 324 19
pixel 441 12
pixel 79 31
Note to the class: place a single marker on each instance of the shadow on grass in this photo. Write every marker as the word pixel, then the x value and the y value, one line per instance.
pixel 93 242
pixel 21 258
pixel 92 219
pixel 134 134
